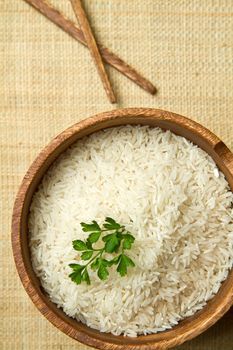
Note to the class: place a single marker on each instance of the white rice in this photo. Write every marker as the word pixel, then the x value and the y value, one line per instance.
pixel 169 194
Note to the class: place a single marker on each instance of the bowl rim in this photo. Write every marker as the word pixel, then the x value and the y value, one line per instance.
pixel 82 333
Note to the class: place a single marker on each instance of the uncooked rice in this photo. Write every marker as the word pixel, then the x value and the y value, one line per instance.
pixel 169 193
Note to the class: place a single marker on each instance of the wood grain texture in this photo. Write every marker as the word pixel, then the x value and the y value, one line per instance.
pixel 94 50
pixel 109 57
pixel 186 329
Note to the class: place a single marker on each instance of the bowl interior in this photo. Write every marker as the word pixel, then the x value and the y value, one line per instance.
pixel 187 328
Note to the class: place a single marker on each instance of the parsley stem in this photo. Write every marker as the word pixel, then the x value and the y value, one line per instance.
pixel 96 256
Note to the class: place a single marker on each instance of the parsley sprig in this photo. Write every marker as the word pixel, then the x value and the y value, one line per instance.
pixel 116 240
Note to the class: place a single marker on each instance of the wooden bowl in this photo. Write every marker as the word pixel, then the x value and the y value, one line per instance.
pixel 186 329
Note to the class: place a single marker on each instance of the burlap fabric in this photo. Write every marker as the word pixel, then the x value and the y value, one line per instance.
pixel 48 82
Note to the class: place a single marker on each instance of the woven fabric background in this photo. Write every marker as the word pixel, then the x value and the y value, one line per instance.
pixel 48 82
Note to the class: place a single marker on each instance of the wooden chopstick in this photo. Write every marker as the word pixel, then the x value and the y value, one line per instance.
pixel 72 29
pixel 91 43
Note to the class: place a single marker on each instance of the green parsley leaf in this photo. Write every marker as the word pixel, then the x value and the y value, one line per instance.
pixel 95 264
pixel 94 237
pixel 112 244
pixel 76 267
pixel 105 262
pixel 128 241
pixel 129 262
pixel 108 237
pixel 122 267
pixel 119 235
pixel 79 245
pixel 76 277
pixel 94 227
pixel 87 255
pixel 89 245
pixel 111 224
pixel 124 263
pixel 85 277
pixel 102 272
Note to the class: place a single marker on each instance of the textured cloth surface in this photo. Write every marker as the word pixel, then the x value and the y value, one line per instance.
pixel 48 82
